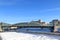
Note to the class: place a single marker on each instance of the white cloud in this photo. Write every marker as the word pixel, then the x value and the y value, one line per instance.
pixel 47 10
pixel 9 2
pixel 6 2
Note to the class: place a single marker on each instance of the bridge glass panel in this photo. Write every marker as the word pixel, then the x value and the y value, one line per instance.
pixel 34 29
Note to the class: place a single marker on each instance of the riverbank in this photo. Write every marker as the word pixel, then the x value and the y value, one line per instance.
pixel 26 36
pixel 48 33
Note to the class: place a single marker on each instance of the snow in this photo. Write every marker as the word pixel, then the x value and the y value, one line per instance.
pixel 26 36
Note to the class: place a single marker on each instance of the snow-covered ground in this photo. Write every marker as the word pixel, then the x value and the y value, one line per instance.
pixel 26 36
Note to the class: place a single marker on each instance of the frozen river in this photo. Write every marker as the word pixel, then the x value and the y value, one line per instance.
pixel 26 36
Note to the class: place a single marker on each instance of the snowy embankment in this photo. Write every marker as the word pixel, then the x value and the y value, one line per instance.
pixel 26 36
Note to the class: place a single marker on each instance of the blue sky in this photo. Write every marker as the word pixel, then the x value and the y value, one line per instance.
pixel 13 11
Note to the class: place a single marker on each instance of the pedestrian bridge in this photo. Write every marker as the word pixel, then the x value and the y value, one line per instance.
pixel 29 25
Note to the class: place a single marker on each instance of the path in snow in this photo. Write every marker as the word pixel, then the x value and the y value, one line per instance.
pixel 26 36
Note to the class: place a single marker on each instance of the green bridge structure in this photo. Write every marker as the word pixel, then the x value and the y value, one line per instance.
pixel 52 26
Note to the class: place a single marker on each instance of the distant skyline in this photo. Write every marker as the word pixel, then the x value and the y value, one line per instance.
pixel 14 11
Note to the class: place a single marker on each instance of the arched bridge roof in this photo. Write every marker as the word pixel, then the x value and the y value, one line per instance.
pixel 32 24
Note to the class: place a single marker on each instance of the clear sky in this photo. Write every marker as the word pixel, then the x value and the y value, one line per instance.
pixel 13 11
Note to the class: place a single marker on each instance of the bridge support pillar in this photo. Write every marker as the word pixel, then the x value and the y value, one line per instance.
pixel 55 28
pixel 1 29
